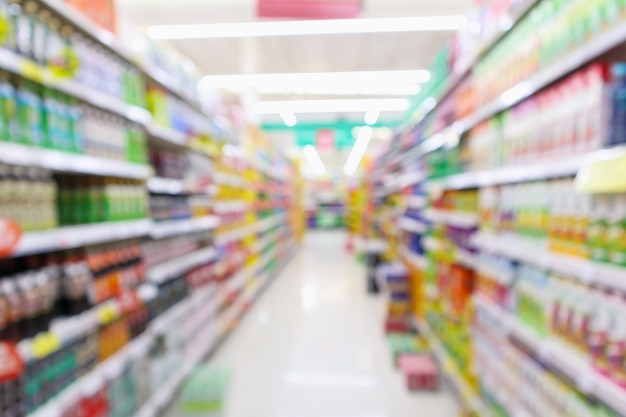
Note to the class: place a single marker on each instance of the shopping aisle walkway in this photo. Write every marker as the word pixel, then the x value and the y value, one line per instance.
pixel 313 346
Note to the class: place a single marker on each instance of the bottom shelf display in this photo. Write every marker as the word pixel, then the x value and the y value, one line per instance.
pixel 144 376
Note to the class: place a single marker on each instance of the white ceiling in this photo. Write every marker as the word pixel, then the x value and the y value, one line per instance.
pixel 316 53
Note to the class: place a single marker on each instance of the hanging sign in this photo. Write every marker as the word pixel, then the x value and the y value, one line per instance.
pixel 325 139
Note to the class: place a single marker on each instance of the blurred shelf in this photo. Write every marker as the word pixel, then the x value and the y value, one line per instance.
pixel 417 202
pixel 77 236
pixel 16 64
pixel 111 368
pixel 458 219
pixel 159 185
pixel 231 180
pixel 58 161
pixel 418 261
pixel 221 207
pixel 167 135
pixel 411 178
pixel 536 252
pixel 412 225
pixel 514 174
pixel 109 40
pixel 178 266
pixel 168 228
pixel 466 394
pixel 558 357
pixel 590 50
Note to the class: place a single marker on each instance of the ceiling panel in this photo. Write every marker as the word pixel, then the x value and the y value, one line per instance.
pixel 328 53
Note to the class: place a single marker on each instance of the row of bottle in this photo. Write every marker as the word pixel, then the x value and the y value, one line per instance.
pixel 41 117
pixel 163 250
pixel 588 320
pixel 46 376
pixel 173 113
pixel 513 381
pixel 457 200
pixel 37 34
pixel 36 289
pixel 29 197
pixel 91 200
pixel 583 113
pixel 588 225
pixel 548 32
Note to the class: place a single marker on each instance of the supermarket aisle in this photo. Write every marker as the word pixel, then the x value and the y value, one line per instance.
pixel 313 346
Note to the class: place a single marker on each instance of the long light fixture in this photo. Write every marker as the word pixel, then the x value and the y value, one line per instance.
pixel 308 27
pixel 403 83
pixel 289 118
pixel 371 117
pixel 331 106
pixel 358 150
pixel 314 160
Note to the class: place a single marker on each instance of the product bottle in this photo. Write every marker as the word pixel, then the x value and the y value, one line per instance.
pixel 617 129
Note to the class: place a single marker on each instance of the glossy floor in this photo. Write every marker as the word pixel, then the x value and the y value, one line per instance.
pixel 313 346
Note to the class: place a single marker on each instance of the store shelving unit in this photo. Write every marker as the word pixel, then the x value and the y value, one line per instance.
pixel 210 308
pixel 558 357
pixel 468 396
pixel 465 243
pixel 170 228
pixel 77 236
pixel 15 154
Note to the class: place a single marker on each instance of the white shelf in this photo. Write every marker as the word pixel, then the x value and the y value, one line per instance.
pixel 466 258
pixel 272 221
pixel 12 62
pixel 14 154
pixel 563 66
pixel 411 178
pixel 413 258
pixel 112 367
pixel 170 269
pixel 558 357
pixel 453 218
pixel 230 180
pixel 170 228
pixel 463 389
pixel 230 206
pixel 432 244
pixel 167 135
pixel 114 44
pixel 536 252
pixel 513 174
pixel 412 225
pixel 170 186
pixel 417 202
pixel 77 236
pixel 160 185
pixel 236 234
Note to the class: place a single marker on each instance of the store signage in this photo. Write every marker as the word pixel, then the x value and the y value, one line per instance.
pixel 10 234
pixel 603 175
pixel 11 363
pixel 309 9
pixel 325 139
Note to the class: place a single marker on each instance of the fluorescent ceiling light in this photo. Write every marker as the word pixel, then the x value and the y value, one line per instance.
pixel 308 27
pixel 289 119
pixel 354 160
pixel 403 83
pixel 332 106
pixel 371 117
pixel 314 160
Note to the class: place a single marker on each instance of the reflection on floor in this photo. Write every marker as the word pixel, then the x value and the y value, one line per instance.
pixel 313 346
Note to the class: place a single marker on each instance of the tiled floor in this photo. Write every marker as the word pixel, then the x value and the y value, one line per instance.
pixel 313 346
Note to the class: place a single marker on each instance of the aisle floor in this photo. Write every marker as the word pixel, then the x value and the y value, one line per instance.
pixel 313 346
